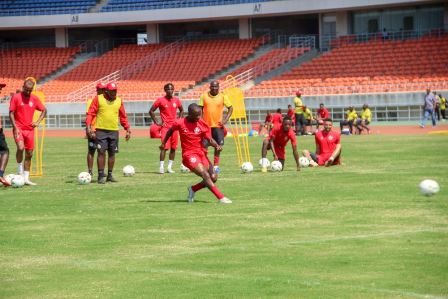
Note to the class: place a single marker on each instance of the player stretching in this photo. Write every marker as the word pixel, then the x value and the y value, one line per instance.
pixel 193 130
pixel 168 106
pixel 277 140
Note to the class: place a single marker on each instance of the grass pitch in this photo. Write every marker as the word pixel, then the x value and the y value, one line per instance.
pixel 361 230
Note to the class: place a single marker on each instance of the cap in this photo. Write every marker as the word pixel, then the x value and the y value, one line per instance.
pixel 298 93
pixel 111 86
pixel 101 85
pixel 2 85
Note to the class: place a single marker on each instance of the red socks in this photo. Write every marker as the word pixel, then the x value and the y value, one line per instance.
pixel 198 187
pixel 217 193
pixel 216 160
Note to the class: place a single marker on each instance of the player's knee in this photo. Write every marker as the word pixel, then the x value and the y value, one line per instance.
pixel 28 154
pixel 214 177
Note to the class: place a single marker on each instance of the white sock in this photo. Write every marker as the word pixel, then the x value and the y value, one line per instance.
pixel 170 164
pixel 19 168
pixel 162 163
pixel 26 175
pixel 264 162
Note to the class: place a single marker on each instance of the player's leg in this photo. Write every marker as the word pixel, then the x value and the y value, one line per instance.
pixel 28 141
pixel 283 163
pixel 90 154
pixel 302 123
pixel 264 152
pixel 102 145
pixel 162 161
pixel 310 156
pixel 218 135
pixel 20 145
pixel 433 118
pixel 172 147
pixel 4 155
pixel 111 151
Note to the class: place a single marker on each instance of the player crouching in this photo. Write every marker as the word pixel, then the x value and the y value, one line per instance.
pixel 193 131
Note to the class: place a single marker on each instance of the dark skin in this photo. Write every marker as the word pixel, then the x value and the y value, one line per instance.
pixel 214 90
pixel 110 95
pixel 269 144
pixel 91 153
pixel 27 89
pixel 169 90
pixel 4 157
pixel 207 174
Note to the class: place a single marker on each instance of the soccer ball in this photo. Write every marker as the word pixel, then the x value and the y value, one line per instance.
pixel 128 170
pixel 184 169
pixel 247 167
pixel 9 177
pixel 276 166
pixel 429 187
pixel 84 178
pixel 304 162
pixel 266 162
pixel 17 181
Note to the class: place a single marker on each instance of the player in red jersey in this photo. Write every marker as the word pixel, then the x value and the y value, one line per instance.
pixel 4 151
pixel 267 123
pixel 193 132
pixel 328 146
pixel 321 114
pixel 277 118
pixel 292 114
pixel 277 140
pixel 168 106
pixel 21 112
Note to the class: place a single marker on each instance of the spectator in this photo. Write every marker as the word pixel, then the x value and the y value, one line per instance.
pixel 385 34
pixel 364 121
pixel 351 117
pixel 321 114
pixel 309 120
pixel 442 106
pixel 429 103
pixel 437 106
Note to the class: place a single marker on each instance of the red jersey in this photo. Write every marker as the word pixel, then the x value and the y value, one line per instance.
pixel 268 118
pixel 23 109
pixel 281 138
pixel 327 142
pixel 277 119
pixel 323 113
pixel 168 109
pixel 191 135
pixel 292 114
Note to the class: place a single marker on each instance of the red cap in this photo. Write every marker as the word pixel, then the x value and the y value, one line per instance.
pixel 2 85
pixel 111 86
pixel 298 93
pixel 101 85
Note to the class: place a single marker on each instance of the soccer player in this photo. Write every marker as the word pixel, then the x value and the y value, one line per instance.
pixel 267 123
pixel 212 104
pixel 168 106
pixel 193 131
pixel 321 114
pixel 277 140
pixel 107 108
pixel 364 121
pixel 4 150
pixel 91 146
pixel 292 114
pixel 21 112
pixel 300 120
pixel 328 146
pixel 277 118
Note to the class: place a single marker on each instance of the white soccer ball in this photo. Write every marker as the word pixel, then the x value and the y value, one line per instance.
pixel 266 163
pixel 247 167
pixel 128 170
pixel 9 177
pixel 84 178
pixel 304 162
pixel 429 187
pixel 276 166
pixel 17 181
pixel 184 169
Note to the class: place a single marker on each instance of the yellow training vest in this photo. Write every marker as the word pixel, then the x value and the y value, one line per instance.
pixel 107 115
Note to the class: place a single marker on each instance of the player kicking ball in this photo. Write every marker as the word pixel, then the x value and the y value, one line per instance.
pixel 193 131
pixel 277 140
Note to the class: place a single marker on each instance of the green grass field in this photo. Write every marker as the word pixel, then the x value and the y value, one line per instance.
pixel 361 230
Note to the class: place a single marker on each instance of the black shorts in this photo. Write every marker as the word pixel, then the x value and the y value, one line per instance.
pixel 3 145
pixel 91 144
pixel 218 135
pixel 107 141
pixel 359 122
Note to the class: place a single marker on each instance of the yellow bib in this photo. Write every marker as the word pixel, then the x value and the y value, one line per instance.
pixel 108 113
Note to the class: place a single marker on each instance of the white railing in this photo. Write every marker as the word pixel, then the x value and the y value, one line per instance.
pixel 347 89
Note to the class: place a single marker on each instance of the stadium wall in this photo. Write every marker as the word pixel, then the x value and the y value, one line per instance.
pixel 385 107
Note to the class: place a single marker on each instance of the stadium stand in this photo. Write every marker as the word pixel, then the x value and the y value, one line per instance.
pixel 44 7
pixel 17 64
pixel 192 63
pixel 125 5
pixel 368 67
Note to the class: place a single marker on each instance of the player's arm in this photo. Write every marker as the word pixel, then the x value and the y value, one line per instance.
pixel 296 155
pixel 167 136
pixel 153 115
pixel 42 115
pixel 334 155
pixel 15 130
pixel 124 121
pixel 214 144
pixel 227 117
pixel 271 144
pixel 91 114
pixel 181 111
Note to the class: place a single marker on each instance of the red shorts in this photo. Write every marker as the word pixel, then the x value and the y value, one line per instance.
pixel 27 137
pixel 280 151
pixel 322 158
pixel 172 142
pixel 191 161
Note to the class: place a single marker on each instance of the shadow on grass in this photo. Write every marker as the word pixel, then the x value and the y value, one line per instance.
pixel 172 201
